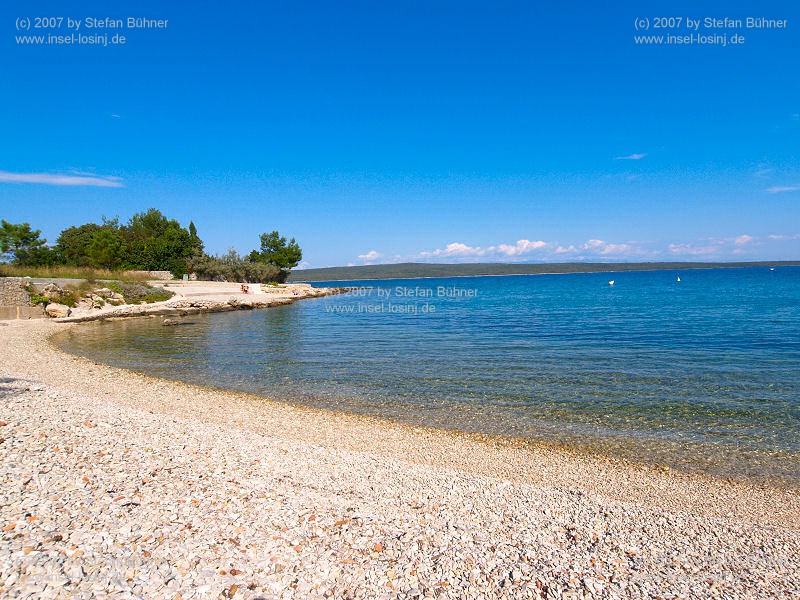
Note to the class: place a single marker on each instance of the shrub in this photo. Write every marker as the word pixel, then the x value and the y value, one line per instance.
pixel 232 267
pixel 139 293
pixel 39 299
pixel 69 298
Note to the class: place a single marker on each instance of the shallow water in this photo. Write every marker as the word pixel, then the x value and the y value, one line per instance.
pixel 701 374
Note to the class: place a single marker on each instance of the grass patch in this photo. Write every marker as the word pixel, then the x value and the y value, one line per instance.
pixel 139 293
pixel 63 272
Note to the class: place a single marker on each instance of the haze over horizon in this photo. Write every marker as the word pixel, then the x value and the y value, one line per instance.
pixel 450 132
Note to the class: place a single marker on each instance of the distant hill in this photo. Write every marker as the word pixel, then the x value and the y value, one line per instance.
pixel 414 270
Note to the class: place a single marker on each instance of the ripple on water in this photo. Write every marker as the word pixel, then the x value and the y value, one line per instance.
pixel 703 376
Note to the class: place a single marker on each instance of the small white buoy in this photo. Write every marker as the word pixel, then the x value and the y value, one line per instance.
pixel 611 282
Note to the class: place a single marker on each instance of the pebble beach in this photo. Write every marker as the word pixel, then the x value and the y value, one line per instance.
pixel 120 485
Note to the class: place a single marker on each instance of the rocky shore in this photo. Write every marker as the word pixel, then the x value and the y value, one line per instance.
pixel 116 484
pixel 202 296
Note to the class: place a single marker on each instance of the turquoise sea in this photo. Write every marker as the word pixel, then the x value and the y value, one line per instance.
pixel 701 373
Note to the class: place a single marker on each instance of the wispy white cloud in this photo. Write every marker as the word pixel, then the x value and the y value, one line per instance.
pixel 777 189
pixel 763 171
pixel 540 250
pixel 601 250
pixel 565 249
pixel 61 179
pixel 780 237
pixel 693 249
pixel 636 156
pixel 455 249
pixel 521 248
pixel 717 247
pixel 604 248
pixel 370 256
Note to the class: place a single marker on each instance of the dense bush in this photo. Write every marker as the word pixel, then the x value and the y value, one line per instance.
pixel 140 293
pixel 232 267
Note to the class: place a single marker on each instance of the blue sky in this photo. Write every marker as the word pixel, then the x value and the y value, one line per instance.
pixel 392 131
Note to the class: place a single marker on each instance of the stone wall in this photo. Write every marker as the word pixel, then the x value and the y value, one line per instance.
pixel 13 292
pixel 15 301
pixel 162 275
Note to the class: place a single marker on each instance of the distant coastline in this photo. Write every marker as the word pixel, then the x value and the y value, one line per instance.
pixel 433 270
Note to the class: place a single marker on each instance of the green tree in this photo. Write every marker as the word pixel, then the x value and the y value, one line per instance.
pixel 21 244
pixel 197 243
pixel 43 256
pixel 73 243
pixel 105 249
pixel 150 223
pixel 155 243
pixel 275 250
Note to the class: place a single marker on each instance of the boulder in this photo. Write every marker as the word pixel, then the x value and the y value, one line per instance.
pixel 57 311
pixel 53 291
pixel 84 303
pixel 91 300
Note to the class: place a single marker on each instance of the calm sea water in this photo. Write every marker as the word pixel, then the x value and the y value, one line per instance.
pixel 699 374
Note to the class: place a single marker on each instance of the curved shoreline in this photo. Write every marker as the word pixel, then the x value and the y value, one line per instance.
pixel 586 467
pixel 580 450
pixel 744 469
pixel 567 511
